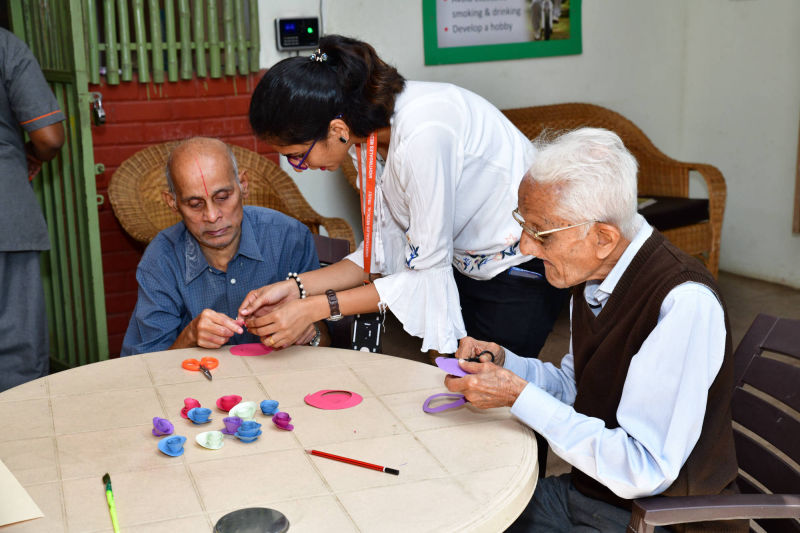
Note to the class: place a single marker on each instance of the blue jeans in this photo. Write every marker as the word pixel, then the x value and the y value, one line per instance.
pixel 557 506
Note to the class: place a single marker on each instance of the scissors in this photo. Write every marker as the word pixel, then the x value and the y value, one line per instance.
pixel 477 358
pixel 204 365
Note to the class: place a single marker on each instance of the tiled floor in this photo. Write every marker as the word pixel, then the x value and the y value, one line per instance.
pixel 745 298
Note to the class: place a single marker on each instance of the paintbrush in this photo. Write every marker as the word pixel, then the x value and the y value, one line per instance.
pixel 112 509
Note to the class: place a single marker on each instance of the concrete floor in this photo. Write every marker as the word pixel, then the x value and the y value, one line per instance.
pixel 745 298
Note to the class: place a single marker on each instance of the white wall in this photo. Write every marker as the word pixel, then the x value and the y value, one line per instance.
pixel 741 113
pixel 714 81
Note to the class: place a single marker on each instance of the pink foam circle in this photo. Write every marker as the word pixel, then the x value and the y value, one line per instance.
pixel 250 349
pixel 333 399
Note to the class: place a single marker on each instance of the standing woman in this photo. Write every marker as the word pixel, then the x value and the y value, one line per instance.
pixel 448 165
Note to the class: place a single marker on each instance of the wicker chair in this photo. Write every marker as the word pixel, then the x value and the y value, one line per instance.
pixel 135 194
pixel 659 175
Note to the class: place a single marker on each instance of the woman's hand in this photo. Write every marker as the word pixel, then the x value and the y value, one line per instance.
pixel 487 385
pixel 261 301
pixel 286 325
pixel 469 348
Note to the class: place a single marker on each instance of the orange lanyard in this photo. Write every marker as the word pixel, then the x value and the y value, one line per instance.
pixel 367 190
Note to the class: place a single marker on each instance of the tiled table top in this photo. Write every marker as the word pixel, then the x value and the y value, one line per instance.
pixel 460 470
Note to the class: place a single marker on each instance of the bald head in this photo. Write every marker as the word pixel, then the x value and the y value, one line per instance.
pixel 208 192
pixel 188 154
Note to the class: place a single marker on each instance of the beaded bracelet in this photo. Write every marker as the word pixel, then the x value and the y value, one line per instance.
pixel 296 277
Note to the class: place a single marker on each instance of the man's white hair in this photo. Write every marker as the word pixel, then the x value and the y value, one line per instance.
pixel 596 176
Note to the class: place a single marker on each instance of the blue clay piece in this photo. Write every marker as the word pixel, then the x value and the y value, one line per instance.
pixel 199 415
pixel 269 407
pixel 172 446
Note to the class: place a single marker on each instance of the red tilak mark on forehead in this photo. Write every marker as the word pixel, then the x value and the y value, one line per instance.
pixel 196 162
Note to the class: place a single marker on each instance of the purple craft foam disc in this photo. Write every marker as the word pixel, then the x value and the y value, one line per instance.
pixel 450 365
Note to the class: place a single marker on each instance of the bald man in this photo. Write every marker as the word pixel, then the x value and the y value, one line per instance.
pixel 194 275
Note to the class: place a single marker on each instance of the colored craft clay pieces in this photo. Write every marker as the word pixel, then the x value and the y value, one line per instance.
pixel 162 426
pixel 281 420
pixel 188 403
pixel 213 440
pixel 333 399
pixel 251 349
pixel 172 446
pixel 199 415
pixel 225 403
pixel 244 410
pixel 269 407
pixel 232 423
pixel 248 431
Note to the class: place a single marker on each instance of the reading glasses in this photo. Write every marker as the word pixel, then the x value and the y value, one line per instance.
pixel 540 235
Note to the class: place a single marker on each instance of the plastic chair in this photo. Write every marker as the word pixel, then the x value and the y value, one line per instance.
pixel 135 194
pixel 765 404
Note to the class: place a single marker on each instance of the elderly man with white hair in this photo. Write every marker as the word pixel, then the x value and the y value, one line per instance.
pixel 641 403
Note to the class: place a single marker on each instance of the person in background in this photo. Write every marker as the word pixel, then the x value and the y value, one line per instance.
pixel 193 275
pixel 641 403
pixel 26 102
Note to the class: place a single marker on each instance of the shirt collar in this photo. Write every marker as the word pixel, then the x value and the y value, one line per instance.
pixel 196 262
pixel 597 292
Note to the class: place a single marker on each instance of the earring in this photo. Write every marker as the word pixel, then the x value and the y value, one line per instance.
pixel 344 141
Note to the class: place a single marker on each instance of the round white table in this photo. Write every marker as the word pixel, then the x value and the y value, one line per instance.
pixel 460 470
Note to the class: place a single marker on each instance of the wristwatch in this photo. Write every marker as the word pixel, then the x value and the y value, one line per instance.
pixel 317 337
pixel 334 303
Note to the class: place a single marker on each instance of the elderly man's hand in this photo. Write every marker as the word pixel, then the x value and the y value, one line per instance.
pixel 487 385
pixel 211 329
pixel 469 347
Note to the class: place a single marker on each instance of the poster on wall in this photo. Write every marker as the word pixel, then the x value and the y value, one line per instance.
pixel 467 31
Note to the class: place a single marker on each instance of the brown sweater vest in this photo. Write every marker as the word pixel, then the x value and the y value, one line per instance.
pixel 603 347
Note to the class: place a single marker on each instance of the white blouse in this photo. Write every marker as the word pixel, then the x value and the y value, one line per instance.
pixel 443 198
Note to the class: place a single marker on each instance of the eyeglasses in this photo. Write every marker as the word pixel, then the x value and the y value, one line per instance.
pixel 302 164
pixel 540 235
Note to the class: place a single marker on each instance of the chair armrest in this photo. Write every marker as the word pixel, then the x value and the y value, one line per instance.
pixel 717 190
pixel 661 511
pixel 338 228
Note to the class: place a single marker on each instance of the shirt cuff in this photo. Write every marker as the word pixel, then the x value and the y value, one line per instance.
pixel 537 409
pixel 426 303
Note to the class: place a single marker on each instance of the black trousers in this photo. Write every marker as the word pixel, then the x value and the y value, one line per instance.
pixel 516 312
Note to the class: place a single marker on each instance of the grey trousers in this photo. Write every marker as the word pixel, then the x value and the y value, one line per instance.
pixel 24 347
pixel 557 506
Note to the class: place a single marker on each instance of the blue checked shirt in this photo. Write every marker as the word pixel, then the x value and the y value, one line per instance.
pixel 176 282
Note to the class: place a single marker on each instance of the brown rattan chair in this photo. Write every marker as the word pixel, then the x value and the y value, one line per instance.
pixel 659 175
pixel 135 194
pixel 765 408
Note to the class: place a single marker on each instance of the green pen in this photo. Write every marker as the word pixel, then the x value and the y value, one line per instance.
pixel 112 509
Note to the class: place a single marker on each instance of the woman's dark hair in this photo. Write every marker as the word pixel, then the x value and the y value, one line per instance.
pixel 298 97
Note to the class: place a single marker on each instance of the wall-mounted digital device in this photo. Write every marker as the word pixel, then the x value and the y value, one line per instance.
pixel 297 33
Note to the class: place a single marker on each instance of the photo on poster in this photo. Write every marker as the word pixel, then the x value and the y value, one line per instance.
pixel 462 31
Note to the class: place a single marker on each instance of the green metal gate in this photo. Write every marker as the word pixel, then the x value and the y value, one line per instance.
pixel 72 269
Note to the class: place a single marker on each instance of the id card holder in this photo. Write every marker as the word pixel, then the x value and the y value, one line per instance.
pixel 367 332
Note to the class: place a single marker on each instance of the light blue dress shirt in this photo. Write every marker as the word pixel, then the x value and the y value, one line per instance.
pixel 176 282
pixel 663 401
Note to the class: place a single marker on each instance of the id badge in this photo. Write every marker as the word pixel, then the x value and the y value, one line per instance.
pixel 367 332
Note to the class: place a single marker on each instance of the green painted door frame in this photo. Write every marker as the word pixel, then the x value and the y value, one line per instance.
pixel 72 269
